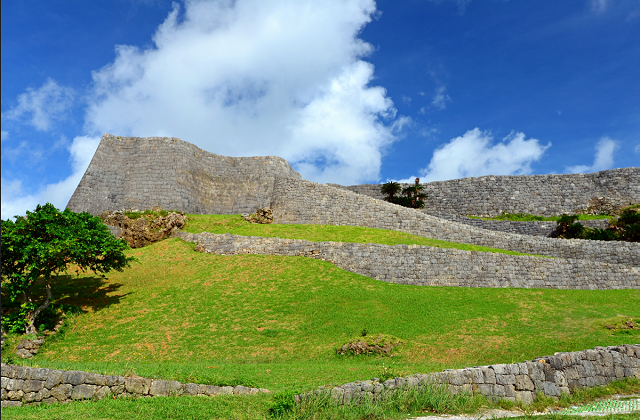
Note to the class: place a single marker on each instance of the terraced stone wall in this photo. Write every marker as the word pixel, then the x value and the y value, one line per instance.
pixel 428 266
pixel 32 386
pixel 545 229
pixel 140 173
pixel 545 195
pixel 300 201
pixel 549 375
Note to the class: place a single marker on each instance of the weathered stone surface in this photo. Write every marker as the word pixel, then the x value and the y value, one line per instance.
pixel 524 383
pixel 62 392
pixel 73 377
pixel 95 379
pixel 240 390
pixel 191 389
pixel 53 379
pixel 7 403
pixel 83 392
pixel 159 388
pixel 137 385
pixel 31 385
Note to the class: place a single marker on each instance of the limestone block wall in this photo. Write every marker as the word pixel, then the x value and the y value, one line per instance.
pixel 136 172
pixel 546 195
pixel 33 386
pixel 428 266
pixel 549 375
pixel 521 228
pixel 300 201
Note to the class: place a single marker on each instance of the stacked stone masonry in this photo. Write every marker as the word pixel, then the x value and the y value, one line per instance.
pixel 546 229
pixel 545 195
pixel 140 173
pixel 549 375
pixel 33 386
pixel 428 266
pixel 300 201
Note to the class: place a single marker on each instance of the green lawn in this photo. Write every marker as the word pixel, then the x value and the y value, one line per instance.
pixel 318 233
pixel 274 322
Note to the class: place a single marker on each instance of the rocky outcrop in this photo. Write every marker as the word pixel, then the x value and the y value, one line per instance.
pixel 145 230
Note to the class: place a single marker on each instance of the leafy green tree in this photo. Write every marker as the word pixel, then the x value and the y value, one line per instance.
pixel 413 195
pixel 390 189
pixel 45 244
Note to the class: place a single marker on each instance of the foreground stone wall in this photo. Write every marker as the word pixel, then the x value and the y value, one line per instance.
pixel 299 201
pixel 140 173
pixel 33 386
pixel 428 266
pixel 549 375
pixel 545 195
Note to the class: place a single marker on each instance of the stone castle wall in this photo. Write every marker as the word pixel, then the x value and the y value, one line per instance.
pixel 522 228
pixel 33 386
pixel 545 195
pixel 550 375
pixel 299 201
pixel 140 173
pixel 428 266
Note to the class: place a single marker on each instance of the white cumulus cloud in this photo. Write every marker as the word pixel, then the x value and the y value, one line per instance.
pixel 252 77
pixel 603 158
pixel 43 106
pixel 15 201
pixel 475 154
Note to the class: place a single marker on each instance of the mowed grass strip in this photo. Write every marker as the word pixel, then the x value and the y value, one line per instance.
pixel 236 225
pixel 274 322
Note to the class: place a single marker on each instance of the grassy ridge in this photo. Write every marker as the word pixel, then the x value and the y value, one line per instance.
pixel 274 322
pixel 318 233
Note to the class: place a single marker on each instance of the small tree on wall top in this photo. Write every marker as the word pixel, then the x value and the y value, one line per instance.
pixel 45 243
pixel 413 194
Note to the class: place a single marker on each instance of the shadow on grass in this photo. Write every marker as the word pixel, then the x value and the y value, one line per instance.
pixel 86 292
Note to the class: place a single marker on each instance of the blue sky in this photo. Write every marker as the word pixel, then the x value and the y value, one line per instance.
pixel 349 91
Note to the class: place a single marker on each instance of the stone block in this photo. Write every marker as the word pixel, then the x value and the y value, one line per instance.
pixel 138 386
pixel 53 379
pixel 15 395
pixel 526 397
pixel 159 388
pixel 14 384
pixel 95 379
pixel 31 385
pixel 102 392
pixel 191 389
pixel 83 392
pixel 8 371
pixel 38 374
pixel 505 379
pixel 550 389
pixel 559 379
pixel 226 390
pixel 524 383
pixel 73 377
pixel 485 389
pixel 7 403
pixel 113 380
pixel 29 397
pixel 117 389
pixel 489 375
pixel 240 390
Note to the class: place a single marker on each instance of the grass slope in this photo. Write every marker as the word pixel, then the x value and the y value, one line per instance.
pixel 318 233
pixel 274 322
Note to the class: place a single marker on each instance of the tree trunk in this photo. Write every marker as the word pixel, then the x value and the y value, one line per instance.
pixel 32 315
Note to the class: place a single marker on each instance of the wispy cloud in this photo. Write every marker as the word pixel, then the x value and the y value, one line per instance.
pixel 252 78
pixel 4 135
pixel 603 158
pixel 475 154
pixel 441 98
pixel 43 106
pixel 599 6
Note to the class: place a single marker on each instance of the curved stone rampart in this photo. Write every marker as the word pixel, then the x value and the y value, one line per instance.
pixel 143 172
pixel 545 195
pixel 309 202
pixel 428 266
pixel 545 229
pixel 33 386
pixel 551 376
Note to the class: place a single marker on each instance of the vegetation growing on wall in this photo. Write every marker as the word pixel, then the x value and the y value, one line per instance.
pixel 413 195
pixel 625 228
